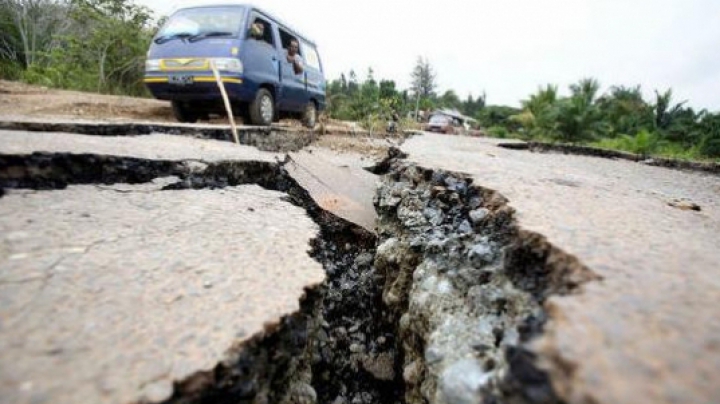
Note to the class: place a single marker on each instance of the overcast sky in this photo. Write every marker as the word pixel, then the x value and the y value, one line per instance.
pixel 507 48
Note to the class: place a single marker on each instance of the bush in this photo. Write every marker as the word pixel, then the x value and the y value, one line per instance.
pixel 498 131
pixel 644 143
pixel 710 146
pixel 10 70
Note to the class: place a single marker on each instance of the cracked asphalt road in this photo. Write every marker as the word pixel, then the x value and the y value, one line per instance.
pixel 110 293
pixel 156 146
pixel 649 331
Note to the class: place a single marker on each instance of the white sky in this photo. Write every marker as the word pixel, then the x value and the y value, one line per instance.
pixel 508 48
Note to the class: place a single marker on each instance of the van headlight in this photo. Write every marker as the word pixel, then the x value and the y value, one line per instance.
pixel 228 64
pixel 152 65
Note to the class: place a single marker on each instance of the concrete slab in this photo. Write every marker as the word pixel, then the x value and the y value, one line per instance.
pixel 154 147
pixel 649 331
pixel 275 138
pixel 109 294
pixel 338 183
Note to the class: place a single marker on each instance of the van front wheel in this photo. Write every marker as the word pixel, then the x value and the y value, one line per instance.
pixel 262 109
pixel 183 112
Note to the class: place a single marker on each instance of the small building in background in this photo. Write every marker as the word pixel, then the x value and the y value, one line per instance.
pixel 459 120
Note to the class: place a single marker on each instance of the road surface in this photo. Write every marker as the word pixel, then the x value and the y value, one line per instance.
pixel 110 292
pixel 649 331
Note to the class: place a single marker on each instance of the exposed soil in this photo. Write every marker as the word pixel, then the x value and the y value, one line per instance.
pixel 23 100
pixel 368 146
pixel 18 98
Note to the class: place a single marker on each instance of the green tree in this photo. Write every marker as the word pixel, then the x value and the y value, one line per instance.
pixel 388 89
pixel 498 115
pixel 578 117
pixel 336 96
pixel 539 115
pixel 664 110
pixel 471 107
pixel 29 30
pixel 369 90
pixel 625 111
pixel 708 131
pixel 423 79
pixel 121 48
pixel 352 86
pixel 343 83
pixel 96 45
pixel 450 100
pixel 674 122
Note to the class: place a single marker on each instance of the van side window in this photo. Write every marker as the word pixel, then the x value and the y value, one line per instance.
pixel 286 38
pixel 310 54
pixel 261 30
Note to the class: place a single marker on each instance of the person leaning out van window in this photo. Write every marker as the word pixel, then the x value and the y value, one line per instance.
pixel 294 57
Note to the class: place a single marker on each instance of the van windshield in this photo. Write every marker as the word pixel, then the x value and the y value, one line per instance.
pixel 202 22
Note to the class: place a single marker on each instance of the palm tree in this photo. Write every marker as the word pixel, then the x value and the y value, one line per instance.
pixel 539 112
pixel 579 117
pixel 626 111
pixel 665 112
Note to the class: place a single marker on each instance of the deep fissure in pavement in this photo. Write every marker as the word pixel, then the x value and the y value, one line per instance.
pixel 339 346
pixel 467 286
pixel 438 308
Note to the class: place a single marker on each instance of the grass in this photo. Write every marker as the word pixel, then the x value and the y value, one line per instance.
pixel 649 145
pixel 644 143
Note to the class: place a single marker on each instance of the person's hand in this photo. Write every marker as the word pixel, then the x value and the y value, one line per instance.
pixel 256 30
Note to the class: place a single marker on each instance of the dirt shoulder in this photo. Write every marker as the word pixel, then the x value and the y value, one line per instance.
pixel 18 98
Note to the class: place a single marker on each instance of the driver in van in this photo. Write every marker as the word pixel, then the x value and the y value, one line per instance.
pixel 257 30
pixel 294 57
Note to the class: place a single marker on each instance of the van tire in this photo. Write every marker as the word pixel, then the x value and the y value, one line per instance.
pixel 183 112
pixel 310 115
pixel 262 109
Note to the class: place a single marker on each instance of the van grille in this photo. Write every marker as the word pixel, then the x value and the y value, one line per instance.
pixel 185 64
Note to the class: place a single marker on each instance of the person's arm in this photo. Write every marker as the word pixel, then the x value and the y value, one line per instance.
pixel 298 64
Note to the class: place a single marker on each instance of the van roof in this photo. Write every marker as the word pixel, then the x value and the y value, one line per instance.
pixel 252 7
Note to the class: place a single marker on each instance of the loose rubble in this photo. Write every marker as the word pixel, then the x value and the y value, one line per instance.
pixel 467 287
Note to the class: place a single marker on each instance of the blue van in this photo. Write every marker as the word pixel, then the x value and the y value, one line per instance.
pixel 267 68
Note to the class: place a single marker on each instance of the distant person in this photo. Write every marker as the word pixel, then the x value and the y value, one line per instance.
pixel 293 56
pixel 393 123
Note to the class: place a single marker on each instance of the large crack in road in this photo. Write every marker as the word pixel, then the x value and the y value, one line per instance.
pixel 451 301
pixel 438 308
pixel 467 286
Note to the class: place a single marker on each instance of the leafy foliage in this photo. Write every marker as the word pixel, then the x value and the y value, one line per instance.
pixel 708 129
pixel 619 119
pixel 625 111
pixel 95 45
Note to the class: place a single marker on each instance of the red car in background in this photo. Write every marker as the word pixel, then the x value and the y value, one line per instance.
pixel 441 124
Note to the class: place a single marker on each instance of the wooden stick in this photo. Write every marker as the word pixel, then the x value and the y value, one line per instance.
pixel 221 85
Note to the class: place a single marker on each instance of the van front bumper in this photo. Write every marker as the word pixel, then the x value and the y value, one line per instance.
pixel 201 87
